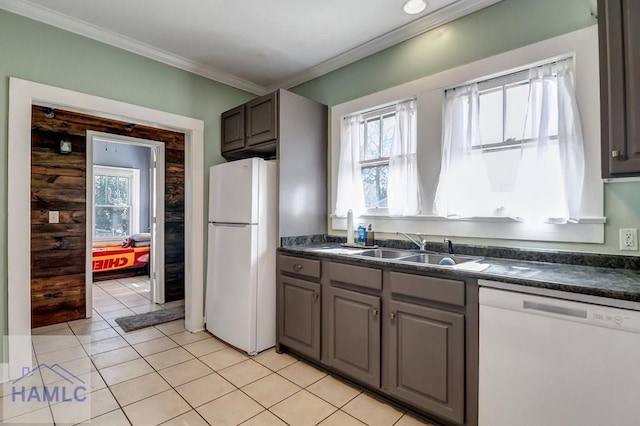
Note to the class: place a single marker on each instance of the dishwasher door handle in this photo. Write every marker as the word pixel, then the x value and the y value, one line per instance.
pixel 553 309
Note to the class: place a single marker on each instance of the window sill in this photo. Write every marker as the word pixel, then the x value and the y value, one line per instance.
pixel 110 240
pixel 588 230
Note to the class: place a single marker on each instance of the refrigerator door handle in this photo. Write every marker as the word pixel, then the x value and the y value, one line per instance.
pixel 233 225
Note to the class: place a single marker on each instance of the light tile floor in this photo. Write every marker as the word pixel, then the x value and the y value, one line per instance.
pixel 166 375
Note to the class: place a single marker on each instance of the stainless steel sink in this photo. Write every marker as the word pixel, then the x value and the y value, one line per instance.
pixel 434 259
pixel 385 253
pixel 409 256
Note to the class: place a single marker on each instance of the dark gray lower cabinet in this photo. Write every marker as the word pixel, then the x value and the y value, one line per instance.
pixel 299 323
pixel 425 359
pixel 353 327
pixel 409 336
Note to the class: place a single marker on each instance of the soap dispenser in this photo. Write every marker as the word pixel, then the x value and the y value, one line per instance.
pixel 370 236
pixel 362 234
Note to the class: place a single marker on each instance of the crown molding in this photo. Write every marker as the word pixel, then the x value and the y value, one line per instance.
pixel 419 26
pixel 440 17
pixel 57 19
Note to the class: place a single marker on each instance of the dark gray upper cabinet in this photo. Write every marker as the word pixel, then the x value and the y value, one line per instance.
pixel 293 130
pixel 233 129
pixel 426 359
pixel 619 35
pixel 353 334
pixel 262 119
pixel 250 130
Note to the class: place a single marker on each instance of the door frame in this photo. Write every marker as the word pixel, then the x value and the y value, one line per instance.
pixel 156 260
pixel 22 95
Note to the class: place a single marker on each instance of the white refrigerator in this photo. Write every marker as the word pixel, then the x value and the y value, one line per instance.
pixel 241 291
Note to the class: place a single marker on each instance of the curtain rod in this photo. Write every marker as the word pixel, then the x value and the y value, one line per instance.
pixel 502 74
pixel 380 108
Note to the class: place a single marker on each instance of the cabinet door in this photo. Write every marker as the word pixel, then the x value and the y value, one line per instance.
pixel 232 129
pixel 262 123
pixel 353 322
pixel 425 363
pixel 299 315
pixel 620 86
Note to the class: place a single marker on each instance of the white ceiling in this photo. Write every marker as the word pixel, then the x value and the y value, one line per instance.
pixel 255 45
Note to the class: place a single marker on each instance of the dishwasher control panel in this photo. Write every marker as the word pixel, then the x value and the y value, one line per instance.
pixel 612 318
pixel 585 313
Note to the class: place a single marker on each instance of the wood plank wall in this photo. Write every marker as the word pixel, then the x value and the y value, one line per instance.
pixel 58 182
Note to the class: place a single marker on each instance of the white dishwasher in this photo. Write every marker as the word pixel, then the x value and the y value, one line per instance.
pixel 551 362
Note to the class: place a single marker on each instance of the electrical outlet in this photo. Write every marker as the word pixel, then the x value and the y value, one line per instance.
pixel 54 216
pixel 628 239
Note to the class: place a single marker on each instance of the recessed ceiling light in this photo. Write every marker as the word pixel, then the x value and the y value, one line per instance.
pixel 413 7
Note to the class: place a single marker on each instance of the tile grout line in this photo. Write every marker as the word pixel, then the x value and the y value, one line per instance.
pixel 121 407
pixel 198 358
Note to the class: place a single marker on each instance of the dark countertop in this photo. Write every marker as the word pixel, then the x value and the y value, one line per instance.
pixel 623 284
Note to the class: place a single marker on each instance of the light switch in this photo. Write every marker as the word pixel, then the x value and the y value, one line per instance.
pixel 54 217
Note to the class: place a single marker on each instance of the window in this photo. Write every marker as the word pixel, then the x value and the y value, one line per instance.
pixel 378 168
pixel 513 147
pixel 115 206
pixel 484 219
pixel 503 112
pixel 378 131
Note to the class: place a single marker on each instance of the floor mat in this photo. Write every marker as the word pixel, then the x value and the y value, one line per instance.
pixel 135 322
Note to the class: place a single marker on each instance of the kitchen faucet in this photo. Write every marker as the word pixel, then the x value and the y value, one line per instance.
pixel 422 245
pixel 448 246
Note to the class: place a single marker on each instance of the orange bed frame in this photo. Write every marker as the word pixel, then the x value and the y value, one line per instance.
pixel 115 258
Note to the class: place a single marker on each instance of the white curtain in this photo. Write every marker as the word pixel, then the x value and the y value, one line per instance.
pixel 350 194
pixel 550 182
pixel 403 187
pixel 541 181
pixel 463 184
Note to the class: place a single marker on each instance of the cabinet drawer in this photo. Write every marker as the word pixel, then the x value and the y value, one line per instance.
pixel 429 288
pixel 299 265
pixel 357 275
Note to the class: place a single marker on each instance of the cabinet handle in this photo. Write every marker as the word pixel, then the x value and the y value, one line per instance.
pixel 297 267
pixel 392 315
pixel 375 312
pixel 315 296
pixel 617 154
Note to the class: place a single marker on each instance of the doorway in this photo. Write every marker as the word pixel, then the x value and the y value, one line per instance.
pixel 60 290
pixel 125 212
pixel 22 95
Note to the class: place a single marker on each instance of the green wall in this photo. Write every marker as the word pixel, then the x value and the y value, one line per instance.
pixel 38 52
pixel 34 51
pixel 504 26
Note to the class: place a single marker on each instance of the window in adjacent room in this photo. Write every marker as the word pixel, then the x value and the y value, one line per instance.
pixel 513 147
pixel 116 192
pixel 378 167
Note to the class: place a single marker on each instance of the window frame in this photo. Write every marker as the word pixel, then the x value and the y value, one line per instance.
pixel 134 197
pixel 380 113
pixel 502 81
